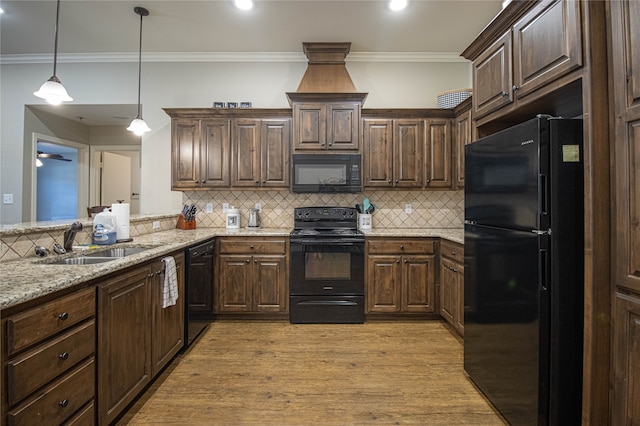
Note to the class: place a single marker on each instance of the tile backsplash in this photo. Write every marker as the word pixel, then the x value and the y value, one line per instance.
pixel 430 209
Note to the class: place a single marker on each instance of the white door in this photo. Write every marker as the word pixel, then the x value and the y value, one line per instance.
pixel 116 179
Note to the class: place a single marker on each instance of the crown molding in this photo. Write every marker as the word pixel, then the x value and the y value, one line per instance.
pixel 225 57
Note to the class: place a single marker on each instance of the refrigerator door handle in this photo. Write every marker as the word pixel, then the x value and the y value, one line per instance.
pixel 542 195
pixel 541 232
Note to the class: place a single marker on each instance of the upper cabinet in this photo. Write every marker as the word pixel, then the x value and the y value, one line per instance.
pixel 261 152
pixel 326 121
pixel 543 44
pixel 229 148
pixel 407 149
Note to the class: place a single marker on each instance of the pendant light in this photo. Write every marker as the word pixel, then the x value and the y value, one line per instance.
pixel 138 126
pixel 52 90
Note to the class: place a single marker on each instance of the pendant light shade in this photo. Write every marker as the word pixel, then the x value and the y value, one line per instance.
pixel 52 90
pixel 138 126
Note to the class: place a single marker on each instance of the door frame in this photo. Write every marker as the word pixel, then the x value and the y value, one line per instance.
pixel 94 169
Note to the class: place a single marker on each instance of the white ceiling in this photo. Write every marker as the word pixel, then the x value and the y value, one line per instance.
pixel 174 29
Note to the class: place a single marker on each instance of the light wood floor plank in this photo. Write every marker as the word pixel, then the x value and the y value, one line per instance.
pixel 276 373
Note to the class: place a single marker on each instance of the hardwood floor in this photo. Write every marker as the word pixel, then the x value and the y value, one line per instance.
pixel 276 373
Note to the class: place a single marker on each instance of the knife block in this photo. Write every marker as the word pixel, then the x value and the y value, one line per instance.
pixel 183 224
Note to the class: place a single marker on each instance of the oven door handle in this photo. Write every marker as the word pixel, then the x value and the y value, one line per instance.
pixel 324 242
pixel 327 302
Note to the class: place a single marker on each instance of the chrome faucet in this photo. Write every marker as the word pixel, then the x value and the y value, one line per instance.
pixel 70 235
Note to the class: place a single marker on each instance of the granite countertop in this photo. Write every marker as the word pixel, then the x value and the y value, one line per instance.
pixel 452 234
pixel 26 279
pixel 29 278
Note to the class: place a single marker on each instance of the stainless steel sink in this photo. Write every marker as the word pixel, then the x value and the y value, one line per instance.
pixel 100 256
pixel 81 260
pixel 117 252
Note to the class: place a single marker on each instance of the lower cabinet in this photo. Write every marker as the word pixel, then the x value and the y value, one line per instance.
pixel 252 275
pixel 626 359
pixel 452 284
pixel 49 360
pixel 137 337
pixel 400 276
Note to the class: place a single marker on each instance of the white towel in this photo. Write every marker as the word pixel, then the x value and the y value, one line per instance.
pixel 170 289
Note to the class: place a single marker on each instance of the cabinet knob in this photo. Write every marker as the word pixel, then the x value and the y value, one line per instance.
pixel 453 253
pixel 396 180
pixel 159 272
pixel 264 181
pixel 514 88
pixel 64 356
pixel 63 316
pixel 401 247
pixel 255 260
pixel 251 247
pixel 505 94
pixel 405 261
pixel 398 261
pixel 204 181
pixel 196 181
pixel 63 403
pixel 389 180
pixel 257 181
pixel 428 180
pixel 247 261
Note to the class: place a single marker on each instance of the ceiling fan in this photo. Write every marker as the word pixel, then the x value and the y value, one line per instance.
pixel 44 155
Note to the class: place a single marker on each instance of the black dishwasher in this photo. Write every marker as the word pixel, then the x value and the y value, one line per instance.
pixel 199 289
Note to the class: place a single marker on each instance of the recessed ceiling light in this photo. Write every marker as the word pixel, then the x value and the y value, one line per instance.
pixel 243 4
pixel 396 5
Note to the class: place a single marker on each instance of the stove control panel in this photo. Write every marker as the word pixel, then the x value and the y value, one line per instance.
pixel 324 213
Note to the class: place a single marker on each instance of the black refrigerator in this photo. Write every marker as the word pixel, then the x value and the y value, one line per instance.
pixel 524 279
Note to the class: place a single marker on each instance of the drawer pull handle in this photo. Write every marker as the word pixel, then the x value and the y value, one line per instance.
pixel 453 253
pixel 63 316
pixel 64 356
pixel 63 403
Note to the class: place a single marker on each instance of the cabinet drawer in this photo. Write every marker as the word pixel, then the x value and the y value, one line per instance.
pixel 252 246
pixel 402 246
pixel 41 364
pixel 57 402
pixel 85 417
pixel 451 250
pixel 37 324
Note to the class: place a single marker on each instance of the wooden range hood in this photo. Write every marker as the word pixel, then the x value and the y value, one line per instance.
pixel 326 77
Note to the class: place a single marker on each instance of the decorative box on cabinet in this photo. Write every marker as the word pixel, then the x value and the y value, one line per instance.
pixel 50 362
pixel 452 284
pixel 251 275
pixel 544 44
pixel 400 276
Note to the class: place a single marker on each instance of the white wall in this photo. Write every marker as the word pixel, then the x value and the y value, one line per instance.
pixel 182 85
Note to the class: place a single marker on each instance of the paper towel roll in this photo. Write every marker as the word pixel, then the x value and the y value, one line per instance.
pixel 121 210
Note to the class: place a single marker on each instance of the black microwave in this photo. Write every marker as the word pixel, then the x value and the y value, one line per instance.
pixel 319 173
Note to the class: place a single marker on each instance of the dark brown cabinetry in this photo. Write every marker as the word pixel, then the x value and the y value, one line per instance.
pixel 542 46
pixel 50 362
pixel 137 337
pixel 400 276
pixel 252 275
pixel 323 126
pixel 260 153
pixel 393 153
pixel 463 136
pixel 200 153
pixel 625 85
pixel 452 284
pixel 438 154
pixel 228 148
pixel 407 149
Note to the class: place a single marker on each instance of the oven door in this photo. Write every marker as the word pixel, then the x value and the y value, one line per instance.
pixel 326 267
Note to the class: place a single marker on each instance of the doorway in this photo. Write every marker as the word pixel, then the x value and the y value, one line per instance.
pixel 60 175
pixel 115 176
